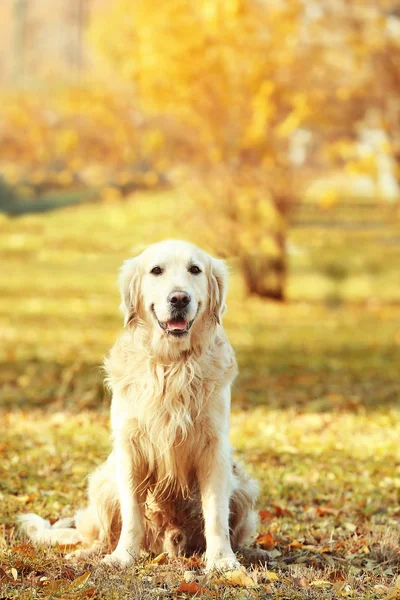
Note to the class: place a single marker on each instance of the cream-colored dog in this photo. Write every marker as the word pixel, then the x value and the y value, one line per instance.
pixel 170 482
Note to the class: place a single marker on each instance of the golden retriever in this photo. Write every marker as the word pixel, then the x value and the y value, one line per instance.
pixel 170 482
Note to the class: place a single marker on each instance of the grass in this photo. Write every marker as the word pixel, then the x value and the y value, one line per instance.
pixel 315 409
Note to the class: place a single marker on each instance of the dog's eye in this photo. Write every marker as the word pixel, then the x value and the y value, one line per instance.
pixel 194 270
pixel 156 271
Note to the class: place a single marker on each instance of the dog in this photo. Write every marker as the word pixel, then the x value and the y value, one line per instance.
pixel 170 483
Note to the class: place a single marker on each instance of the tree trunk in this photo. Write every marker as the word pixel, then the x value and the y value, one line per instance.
pixel 19 32
pixel 265 275
pixel 77 18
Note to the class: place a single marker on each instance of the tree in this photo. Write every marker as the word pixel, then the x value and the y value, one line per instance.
pixel 233 86
pixel 19 23
pixel 378 42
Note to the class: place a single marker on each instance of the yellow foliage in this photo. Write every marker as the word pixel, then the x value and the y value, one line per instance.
pixel 328 198
pixel 211 66
pixel 75 137
pixel 215 77
pixel 246 100
pixel 365 165
pixel 110 194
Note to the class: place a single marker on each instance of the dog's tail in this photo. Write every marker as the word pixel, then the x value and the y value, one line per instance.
pixel 40 531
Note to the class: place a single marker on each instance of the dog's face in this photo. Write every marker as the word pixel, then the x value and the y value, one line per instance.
pixel 170 286
pixel 174 286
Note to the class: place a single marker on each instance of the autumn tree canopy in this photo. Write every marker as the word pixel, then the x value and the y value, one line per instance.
pixel 253 97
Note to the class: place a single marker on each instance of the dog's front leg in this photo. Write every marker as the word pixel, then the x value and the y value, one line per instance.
pixel 215 484
pixel 131 512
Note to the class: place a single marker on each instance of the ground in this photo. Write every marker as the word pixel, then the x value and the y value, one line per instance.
pixel 315 409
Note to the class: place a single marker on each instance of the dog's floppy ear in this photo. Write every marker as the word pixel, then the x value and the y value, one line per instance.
pixel 129 281
pixel 218 288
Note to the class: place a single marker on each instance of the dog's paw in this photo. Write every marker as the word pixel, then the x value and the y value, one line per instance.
pixel 120 558
pixel 228 562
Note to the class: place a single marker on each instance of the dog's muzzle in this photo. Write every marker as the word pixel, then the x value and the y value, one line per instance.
pixel 178 325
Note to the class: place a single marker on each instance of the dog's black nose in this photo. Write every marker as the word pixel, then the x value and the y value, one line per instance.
pixel 179 299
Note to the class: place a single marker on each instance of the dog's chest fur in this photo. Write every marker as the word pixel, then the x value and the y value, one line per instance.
pixel 166 408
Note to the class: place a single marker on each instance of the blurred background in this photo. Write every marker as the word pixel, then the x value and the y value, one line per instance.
pixel 269 134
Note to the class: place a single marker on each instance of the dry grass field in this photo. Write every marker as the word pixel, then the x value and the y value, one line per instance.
pixel 315 408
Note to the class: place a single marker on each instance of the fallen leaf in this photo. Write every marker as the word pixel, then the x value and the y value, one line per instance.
pixel 89 593
pixel 344 589
pixel 161 559
pixel 27 498
pixel 53 586
pixel 192 562
pixel 266 541
pixel 265 515
pixel 296 545
pixel 325 510
pixel 380 589
pixel 68 572
pixel 337 575
pixel 270 576
pixel 24 550
pixel 394 590
pixel 321 583
pixel 80 581
pixel 282 512
pixel 66 548
pixel 191 588
pixel 236 578
pixel 14 573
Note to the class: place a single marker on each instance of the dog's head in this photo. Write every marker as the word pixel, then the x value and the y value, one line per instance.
pixel 172 286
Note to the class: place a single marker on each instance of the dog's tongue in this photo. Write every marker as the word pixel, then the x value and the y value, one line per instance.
pixel 179 325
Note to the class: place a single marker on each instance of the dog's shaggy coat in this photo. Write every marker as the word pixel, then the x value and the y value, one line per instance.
pixel 170 482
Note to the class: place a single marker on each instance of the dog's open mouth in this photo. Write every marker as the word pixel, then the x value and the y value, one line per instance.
pixel 177 326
